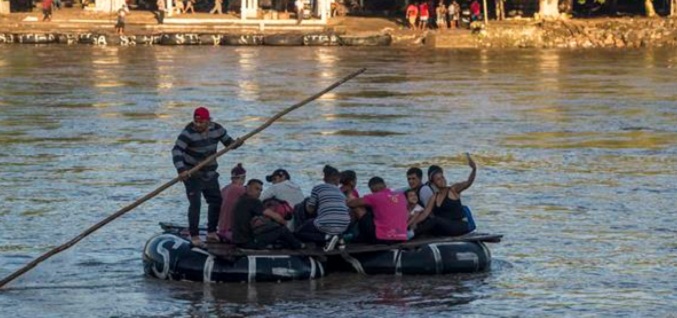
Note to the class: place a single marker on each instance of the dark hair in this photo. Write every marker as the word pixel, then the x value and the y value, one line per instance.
pixel 348 176
pixel 432 170
pixel 375 180
pixel 252 181
pixel 238 171
pixel 415 170
pixel 329 171
pixel 279 173
pixel 406 192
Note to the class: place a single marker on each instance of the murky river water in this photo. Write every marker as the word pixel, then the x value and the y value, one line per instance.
pixel 577 154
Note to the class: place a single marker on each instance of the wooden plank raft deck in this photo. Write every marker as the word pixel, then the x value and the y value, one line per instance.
pixel 227 250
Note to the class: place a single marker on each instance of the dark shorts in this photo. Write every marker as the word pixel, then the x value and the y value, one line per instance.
pixel 120 24
pixel 48 11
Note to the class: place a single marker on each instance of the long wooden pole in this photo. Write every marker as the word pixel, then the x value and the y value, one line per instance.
pixel 157 191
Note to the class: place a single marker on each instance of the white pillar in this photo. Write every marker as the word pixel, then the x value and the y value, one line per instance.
pixel 243 10
pixel 170 7
pixel 323 10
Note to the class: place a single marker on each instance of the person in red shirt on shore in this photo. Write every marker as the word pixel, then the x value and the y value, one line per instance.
pixel 475 11
pixel 412 15
pixel 424 14
pixel 47 10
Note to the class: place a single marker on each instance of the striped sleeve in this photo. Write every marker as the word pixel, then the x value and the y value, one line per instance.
pixel 225 139
pixel 179 151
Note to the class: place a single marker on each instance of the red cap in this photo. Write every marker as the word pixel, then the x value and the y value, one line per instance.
pixel 201 113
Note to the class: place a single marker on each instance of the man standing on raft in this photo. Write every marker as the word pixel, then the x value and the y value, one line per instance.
pixel 197 142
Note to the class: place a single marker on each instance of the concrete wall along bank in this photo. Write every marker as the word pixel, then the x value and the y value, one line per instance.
pixel 198 39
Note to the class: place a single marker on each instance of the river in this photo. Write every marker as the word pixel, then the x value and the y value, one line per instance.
pixel 576 153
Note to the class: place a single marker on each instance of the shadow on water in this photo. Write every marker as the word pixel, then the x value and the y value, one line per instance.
pixel 388 294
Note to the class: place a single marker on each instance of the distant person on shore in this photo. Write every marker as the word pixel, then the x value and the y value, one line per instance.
pixel 454 14
pixel 196 142
pixel 218 7
pixel 189 6
pixel 84 3
pixel 120 25
pixel 229 196
pixel 423 15
pixel 412 15
pixel 161 10
pixel 298 4
pixel 475 9
pixel 46 10
pixel 441 11
pixel 179 7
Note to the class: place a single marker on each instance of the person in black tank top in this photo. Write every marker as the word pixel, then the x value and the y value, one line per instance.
pixel 443 215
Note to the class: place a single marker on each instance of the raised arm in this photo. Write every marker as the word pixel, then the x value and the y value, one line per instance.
pixel 459 187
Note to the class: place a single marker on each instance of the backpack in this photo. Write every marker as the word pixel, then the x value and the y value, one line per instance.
pixel 280 207
pixel 467 216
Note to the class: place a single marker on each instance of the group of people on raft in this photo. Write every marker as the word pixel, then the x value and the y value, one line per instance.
pixel 248 216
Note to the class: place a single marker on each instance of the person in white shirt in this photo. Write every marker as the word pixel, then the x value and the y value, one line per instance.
pixel 299 11
pixel 283 188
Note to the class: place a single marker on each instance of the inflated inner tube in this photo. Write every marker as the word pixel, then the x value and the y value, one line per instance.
pixel 210 39
pixel 283 40
pixel 148 39
pixel 168 256
pixel 246 39
pixel 373 40
pixel 429 259
pixel 321 40
pixel 6 38
pixel 180 39
pixel 35 38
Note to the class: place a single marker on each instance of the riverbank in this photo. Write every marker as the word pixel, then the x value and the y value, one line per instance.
pixel 73 25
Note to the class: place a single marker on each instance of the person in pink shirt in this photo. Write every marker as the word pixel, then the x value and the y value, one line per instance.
pixel 230 194
pixel 387 220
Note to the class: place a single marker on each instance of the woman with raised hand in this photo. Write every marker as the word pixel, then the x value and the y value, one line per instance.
pixel 443 214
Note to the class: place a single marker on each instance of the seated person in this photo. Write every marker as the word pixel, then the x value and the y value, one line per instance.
pixel 428 189
pixel 230 194
pixel 283 189
pixel 349 184
pixel 387 220
pixel 413 205
pixel 443 214
pixel 256 227
pixel 328 204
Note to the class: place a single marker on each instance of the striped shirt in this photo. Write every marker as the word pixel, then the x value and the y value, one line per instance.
pixel 193 147
pixel 332 211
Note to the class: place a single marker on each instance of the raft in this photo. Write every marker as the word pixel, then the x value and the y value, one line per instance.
pixel 171 256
